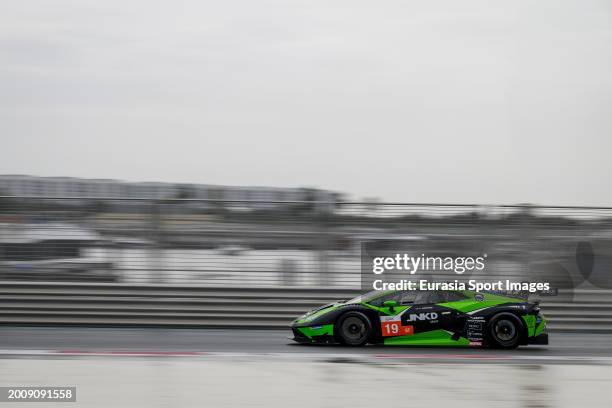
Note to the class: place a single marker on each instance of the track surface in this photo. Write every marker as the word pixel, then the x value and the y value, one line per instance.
pixel 563 345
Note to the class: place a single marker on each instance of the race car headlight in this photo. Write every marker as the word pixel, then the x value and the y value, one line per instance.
pixel 313 314
pixel 307 317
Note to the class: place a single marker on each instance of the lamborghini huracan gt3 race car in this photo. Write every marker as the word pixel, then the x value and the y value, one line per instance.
pixel 425 318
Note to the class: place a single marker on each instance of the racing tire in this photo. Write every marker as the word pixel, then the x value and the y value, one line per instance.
pixel 353 329
pixel 505 331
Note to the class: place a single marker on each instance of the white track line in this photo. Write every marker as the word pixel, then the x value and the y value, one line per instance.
pixel 305 356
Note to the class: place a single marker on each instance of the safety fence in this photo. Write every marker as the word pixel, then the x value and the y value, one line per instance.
pixel 250 243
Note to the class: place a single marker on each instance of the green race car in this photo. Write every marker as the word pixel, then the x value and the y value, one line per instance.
pixel 425 318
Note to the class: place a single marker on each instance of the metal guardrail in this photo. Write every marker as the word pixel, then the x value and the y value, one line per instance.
pixel 188 306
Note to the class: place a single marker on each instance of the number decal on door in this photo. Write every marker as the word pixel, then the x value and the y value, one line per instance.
pixel 395 329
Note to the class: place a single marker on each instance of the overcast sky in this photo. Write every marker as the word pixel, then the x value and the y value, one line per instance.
pixel 421 101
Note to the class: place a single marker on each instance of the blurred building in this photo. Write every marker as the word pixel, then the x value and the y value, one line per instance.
pixel 71 187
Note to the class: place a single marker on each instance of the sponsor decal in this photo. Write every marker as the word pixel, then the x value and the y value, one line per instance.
pixel 413 317
pixel 474 330
pixel 479 297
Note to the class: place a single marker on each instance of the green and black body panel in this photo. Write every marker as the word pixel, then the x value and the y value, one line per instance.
pixel 317 326
pixel 460 319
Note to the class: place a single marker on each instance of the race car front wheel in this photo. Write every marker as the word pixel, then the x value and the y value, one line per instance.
pixel 353 329
pixel 505 331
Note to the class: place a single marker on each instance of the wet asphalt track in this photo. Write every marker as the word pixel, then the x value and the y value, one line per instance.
pixel 564 347
pixel 153 368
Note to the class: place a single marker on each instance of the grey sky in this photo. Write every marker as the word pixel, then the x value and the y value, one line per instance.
pixel 428 101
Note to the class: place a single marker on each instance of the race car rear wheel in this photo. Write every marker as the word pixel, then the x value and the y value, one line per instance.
pixel 353 329
pixel 505 331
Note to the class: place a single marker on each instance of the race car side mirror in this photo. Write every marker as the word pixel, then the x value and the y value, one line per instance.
pixel 391 304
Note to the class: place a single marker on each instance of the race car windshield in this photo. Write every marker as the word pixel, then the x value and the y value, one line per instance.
pixel 367 297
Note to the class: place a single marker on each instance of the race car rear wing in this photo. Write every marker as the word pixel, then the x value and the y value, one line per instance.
pixel 525 294
pixel 549 292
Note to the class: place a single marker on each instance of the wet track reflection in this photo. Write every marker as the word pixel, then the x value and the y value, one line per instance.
pixel 221 368
pixel 275 382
